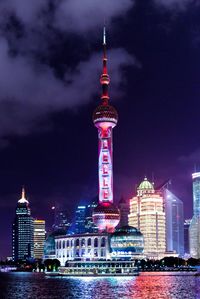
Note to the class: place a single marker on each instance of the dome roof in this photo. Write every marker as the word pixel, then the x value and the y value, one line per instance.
pixel 145 187
pixel 105 113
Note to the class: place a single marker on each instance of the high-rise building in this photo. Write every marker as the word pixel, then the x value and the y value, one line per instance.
pixel 174 222
pixel 49 245
pixel 147 214
pixel 124 208
pixel 83 218
pixel 39 238
pixel 106 215
pixel 186 236
pixel 194 230
pixel 90 226
pixel 22 236
pixel 80 219
pixel 61 221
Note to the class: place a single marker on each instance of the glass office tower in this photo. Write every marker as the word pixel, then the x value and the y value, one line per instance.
pixel 174 223
pixel 194 230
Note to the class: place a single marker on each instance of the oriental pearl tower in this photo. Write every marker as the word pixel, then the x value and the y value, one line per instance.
pixel 105 216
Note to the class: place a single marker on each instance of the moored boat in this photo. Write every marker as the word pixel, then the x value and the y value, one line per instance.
pixel 99 268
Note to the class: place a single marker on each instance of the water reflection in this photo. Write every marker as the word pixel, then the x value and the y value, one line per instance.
pixel 29 285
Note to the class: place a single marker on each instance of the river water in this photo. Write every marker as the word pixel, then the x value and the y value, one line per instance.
pixel 35 285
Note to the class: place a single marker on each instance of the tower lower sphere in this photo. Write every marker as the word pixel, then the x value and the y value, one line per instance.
pixel 106 217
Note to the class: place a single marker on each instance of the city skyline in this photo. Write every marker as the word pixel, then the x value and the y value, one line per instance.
pixel 158 113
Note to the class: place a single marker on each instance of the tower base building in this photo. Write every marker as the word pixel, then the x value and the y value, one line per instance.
pixel 125 243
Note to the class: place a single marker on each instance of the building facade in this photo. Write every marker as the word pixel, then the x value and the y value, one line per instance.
pixel 50 245
pixel 174 223
pixel 85 246
pixel 147 215
pixel 186 237
pixel 126 243
pixel 61 221
pixel 83 219
pixel 39 238
pixel 124 208
pixel 80 220
pixel 194 229
pixel 22 231
pixel 90 226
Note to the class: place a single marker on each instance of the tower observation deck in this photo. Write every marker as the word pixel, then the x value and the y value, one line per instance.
pixel 105 117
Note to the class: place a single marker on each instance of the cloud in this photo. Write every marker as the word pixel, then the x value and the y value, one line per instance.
pixel 70 15
pixel 26 11
pixel 29 93
pixel 192 158
pixel 29 88
pixel 73 15
pixel 174 4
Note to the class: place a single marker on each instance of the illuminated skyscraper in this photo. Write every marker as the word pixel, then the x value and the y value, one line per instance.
pixel 194 230
pixel 22 238
pixel 80 219
pixel 39 238
pixel 89 223
pixel 174 223
pixel 147 214
pixel 186 236
pixel 105 117
pixel 61 221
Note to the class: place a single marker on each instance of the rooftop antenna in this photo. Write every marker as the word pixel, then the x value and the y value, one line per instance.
pixel 152 177
pixel 23 192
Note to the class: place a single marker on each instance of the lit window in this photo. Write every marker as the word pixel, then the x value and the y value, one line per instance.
pixel 105 158
pixel 105 182
pixel 105 194
pixel 105 144
pixel 105 169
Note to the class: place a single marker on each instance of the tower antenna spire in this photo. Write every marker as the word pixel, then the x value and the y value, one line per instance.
pixel 104 80
pixel 104 35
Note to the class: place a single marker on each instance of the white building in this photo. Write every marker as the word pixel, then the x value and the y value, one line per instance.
pixel 147 214
pixel 88 246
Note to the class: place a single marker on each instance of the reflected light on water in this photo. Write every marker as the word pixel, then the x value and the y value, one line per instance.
pixel 17 286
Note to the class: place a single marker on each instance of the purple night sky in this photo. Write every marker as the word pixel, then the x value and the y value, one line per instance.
pixel 50 64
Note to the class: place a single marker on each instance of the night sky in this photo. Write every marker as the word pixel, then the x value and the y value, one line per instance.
pixel 50 64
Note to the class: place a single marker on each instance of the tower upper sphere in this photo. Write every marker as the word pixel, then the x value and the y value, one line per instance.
pixel 105 112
